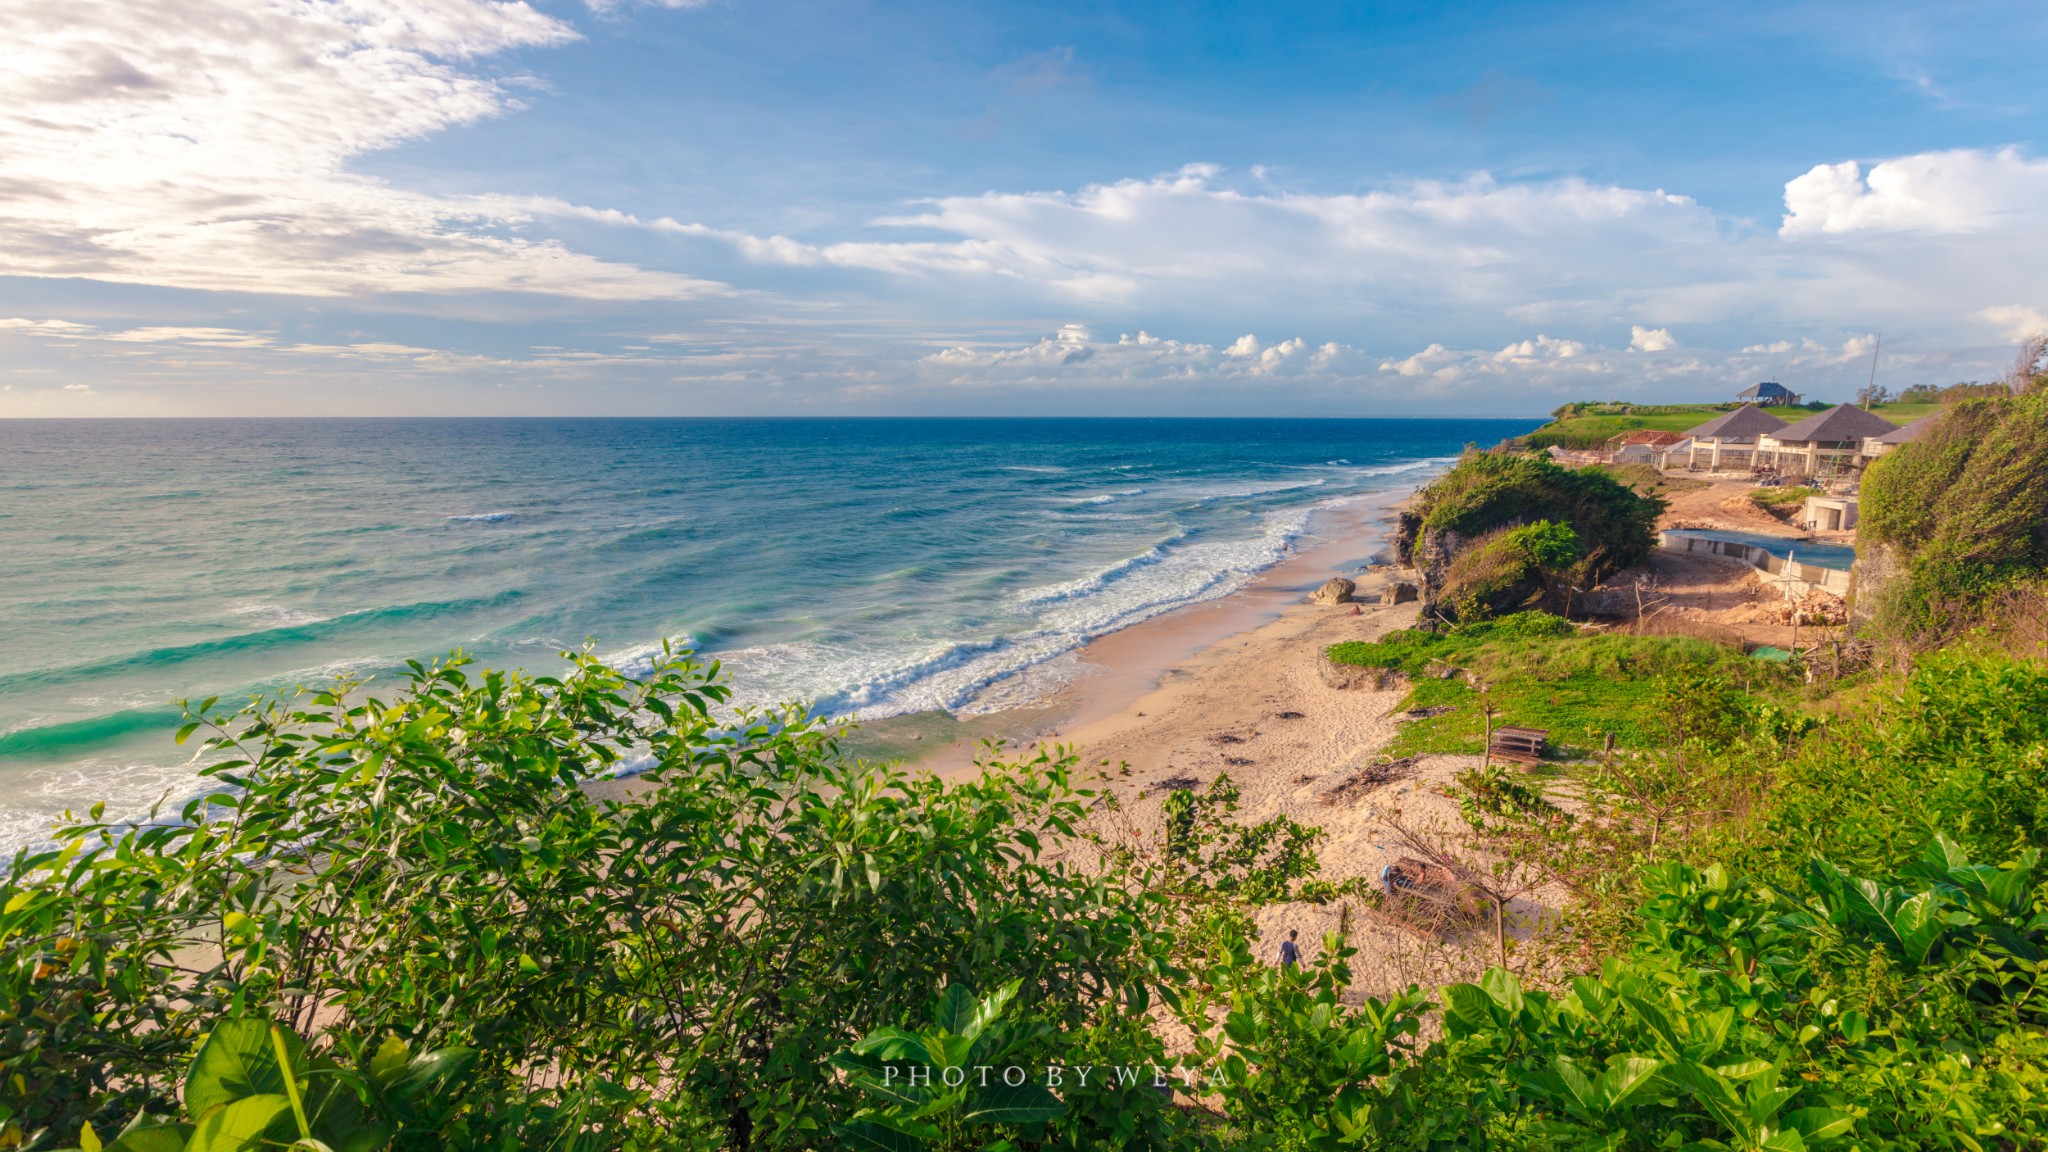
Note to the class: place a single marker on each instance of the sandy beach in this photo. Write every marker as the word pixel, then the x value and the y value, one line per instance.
pixel 1233 686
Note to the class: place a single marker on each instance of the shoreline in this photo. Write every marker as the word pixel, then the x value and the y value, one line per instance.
pixel 1115 672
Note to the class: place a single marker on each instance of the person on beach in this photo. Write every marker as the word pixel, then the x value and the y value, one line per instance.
pixel 1290 953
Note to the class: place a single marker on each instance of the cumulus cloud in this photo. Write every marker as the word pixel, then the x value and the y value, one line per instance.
pixel 1651 339
pixel 2015 321
pixel 1934 192
pixel 1475 241
pixel 1919 242
pixel 204 144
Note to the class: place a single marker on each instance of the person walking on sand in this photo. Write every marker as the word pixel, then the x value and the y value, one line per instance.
pixel 1290 953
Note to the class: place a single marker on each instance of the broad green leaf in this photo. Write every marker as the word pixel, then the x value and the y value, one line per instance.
pixel 1627 1075
pixel 1743 1069
pixel 1821 1123
pixel 992 1007
pixel 1917 924
pixel 1855 1026
pixel 1002 1104
pixel 390 1059
pixel 428 1071
pixel 894 1044
pixel 1788 1140
pixel 1945 855
pixel 236 1060
pixel 1505 990
pixel 869 1136
pixel 1653 1018
pixel 1715 1094
pixel 954 1011
pixel 1470 1004
pixel 1581 1086
pixel 244 1125
pixel 153 1138
pixel 2009 890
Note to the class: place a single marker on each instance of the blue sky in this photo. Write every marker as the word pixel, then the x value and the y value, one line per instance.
pixel 461 206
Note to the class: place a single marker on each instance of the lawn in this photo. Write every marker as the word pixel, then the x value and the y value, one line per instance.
pixel 1537 671
pixel 1592 427
pixel 1588 426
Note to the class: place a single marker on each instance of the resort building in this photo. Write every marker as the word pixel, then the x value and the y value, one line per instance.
pixel 1642 446
pixel 1768 394
pixel 1875 446
pixel 1822 445
pixel 1727 441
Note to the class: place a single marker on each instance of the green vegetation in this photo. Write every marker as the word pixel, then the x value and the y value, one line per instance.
pixel 1589 426
pixel 1538 671
pixel 1798 914
pixel 1502 531
pixel 1962 512
pixel 1775 499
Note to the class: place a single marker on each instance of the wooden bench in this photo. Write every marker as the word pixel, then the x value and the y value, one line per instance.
pixel 1521 745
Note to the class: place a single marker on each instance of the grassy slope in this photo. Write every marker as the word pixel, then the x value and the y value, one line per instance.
pixel 1594 430
pixel 1578 686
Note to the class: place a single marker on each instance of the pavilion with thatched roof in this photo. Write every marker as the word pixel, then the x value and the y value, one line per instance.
pixel 1727 441
pixel 1824 443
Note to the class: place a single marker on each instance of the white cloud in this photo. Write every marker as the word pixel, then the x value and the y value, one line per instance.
pixel 204 144
pixel 1643 339
pixel 1423 244
pixel 43 327
pixel 1934 192
pixel 2014 321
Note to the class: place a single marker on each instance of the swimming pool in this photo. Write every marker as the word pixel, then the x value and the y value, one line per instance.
pixel 1814 552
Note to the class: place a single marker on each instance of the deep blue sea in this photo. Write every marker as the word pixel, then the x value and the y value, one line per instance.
pixel 868 566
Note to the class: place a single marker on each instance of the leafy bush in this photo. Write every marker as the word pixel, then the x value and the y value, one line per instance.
pixel 1964 509
pixel 434 868
pixel 1878 1015
pixel 1493 513
pixel 415 923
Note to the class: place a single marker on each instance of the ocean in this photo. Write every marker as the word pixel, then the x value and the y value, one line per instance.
pixel 868 566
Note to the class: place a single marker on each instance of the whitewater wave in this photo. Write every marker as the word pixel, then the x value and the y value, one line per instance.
pixel 277 614
pixel 990 673
pixel 483 517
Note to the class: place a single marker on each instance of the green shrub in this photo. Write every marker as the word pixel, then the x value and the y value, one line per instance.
pixel 1772 499
pixel 679 962
pixel 1965 508
pixel 1533 527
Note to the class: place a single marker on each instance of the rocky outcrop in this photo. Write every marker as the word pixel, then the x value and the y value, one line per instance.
pixel 1878 568
pixel 1398 592
pixel 1335 590
pixel 1433 556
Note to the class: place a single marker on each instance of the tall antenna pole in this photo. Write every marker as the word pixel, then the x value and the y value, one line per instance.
pixel 1870 390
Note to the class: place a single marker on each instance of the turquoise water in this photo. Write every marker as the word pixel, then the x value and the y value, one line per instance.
pixel 1837 556
pixel 871 566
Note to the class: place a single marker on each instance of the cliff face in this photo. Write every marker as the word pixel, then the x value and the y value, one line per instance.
pixel 1875 577
pixel 1433 557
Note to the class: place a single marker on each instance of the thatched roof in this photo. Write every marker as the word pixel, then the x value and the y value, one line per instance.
pixel 1910 432
pixel 1746 421
pixel 1842 424
pixel 1768 390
